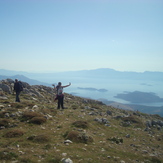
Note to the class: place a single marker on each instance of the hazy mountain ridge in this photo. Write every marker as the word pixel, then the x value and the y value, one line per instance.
pixel 23 78
pixel 103 72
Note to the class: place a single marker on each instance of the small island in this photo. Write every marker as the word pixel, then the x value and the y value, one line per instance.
pixel 139 97
pixel 93 89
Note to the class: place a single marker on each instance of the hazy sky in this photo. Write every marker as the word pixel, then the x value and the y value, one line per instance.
pixel 62 35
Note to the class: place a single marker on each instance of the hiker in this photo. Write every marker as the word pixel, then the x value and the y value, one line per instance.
pixel 17 88
pixel 60 95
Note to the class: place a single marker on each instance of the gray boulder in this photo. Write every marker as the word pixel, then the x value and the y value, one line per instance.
pixel 5 88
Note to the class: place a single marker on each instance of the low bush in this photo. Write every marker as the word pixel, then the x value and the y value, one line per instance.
pixel 38 120
pixel 80 124
pixel 2 114
pixel 116 140
pixel 79 137
pixel 4 122
pixel 14 133
pixel 39 138
pixel 6 155
pixel 133 120
pixel 29 115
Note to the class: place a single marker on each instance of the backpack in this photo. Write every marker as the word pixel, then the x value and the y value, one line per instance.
pixel 20 86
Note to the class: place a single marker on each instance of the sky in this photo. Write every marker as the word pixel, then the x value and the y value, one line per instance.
pixel 70 35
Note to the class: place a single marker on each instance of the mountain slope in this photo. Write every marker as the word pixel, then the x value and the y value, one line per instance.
pixel 87 131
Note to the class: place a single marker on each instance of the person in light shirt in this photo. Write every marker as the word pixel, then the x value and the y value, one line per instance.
pixel 60 95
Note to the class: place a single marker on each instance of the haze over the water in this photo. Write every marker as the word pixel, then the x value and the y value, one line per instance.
pixel 63 35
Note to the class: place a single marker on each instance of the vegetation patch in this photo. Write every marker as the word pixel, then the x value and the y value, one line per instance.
pixel 6 155
pixel 116 140
pixel 14 133
pixel 2 114
pixel 53 159
pixel 29 115
pixel 17 105
pixel 39 138
pixel 38 120
pixel 133 120
pixel 79 137
pixel 80 124
pixel 26 160
pixel 4 123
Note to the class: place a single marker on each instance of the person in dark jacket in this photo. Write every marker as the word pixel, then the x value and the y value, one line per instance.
pixel 17 89
pixel 60 95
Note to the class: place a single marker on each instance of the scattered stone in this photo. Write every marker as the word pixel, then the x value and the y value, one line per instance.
pixel 122 161
pixel 68 160
pixel 102 120
pixel 2 106
pixel 64 154
pixel 128 136
pixel 68 141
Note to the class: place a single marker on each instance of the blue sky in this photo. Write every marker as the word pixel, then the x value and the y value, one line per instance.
pixel 63 35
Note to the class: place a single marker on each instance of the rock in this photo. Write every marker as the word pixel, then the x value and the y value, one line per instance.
pixel 35 107
pixel 122 161
pixel 2 106
pixel 5 88
pixel 68 160
pixel 64 154
pixel 3 97
pixel 68 141
pixel 128 136
pixel 108 112
pixel 101 120
pixel 148 124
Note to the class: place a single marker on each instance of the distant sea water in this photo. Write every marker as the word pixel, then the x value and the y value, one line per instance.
pixel 113 88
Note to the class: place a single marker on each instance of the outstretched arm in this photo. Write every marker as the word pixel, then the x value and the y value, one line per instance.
pixel 66 85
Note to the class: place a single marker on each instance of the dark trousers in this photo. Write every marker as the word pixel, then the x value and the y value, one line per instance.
pixel 17 97
pixel 60 101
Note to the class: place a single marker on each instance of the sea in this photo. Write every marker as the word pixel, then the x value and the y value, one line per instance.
pixel 112 87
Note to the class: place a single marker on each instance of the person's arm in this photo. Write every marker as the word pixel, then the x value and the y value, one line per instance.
pixel 66 85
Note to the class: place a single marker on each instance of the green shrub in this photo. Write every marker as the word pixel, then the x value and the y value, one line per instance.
pixel 38 120
pixel 133 120
pixel 4 122
pixel 79 137
pixel 6 155
pixel 116 140
pixel 2 114
pixel 25 160
pixel 29 115
pixel 14 133
pixel 80 124
pixel 39 138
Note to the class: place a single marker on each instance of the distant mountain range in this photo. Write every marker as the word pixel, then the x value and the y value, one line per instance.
pixel 135 97
pixel 23 78
pixel 96 73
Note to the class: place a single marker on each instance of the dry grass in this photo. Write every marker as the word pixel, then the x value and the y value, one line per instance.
pixel 91 141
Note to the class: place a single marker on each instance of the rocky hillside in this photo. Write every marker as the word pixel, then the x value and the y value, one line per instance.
pixel 87 131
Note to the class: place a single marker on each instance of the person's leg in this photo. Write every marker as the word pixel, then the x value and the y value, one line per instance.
pixel 59 102
pixel 17 97
pixel 62 98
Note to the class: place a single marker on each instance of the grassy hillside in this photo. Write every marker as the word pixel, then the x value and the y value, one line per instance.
pixel 87 131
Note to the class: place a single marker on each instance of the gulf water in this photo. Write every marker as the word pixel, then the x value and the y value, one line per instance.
pixel 113 87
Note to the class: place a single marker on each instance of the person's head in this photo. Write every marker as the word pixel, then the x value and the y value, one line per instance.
pixel 59 83
pixel 16 80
